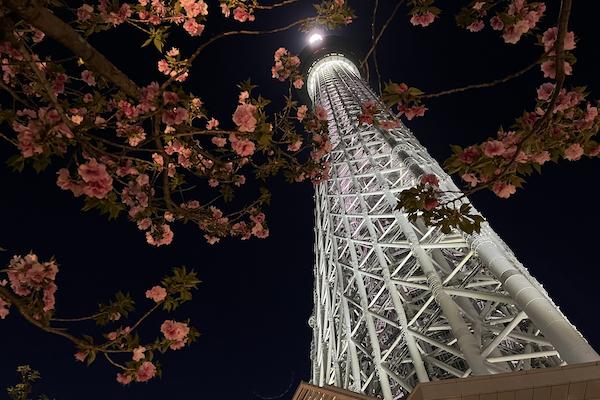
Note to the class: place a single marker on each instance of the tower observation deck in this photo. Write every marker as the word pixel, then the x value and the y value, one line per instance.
pixel 398 302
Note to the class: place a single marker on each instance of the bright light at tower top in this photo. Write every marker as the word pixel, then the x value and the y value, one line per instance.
pixel 315 38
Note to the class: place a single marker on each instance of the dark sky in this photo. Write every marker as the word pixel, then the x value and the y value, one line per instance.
pixel 256 296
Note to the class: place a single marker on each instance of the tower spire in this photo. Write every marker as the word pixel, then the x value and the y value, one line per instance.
pixel 398 302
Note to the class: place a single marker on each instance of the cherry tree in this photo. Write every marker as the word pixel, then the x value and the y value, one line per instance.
pixel 155 153
pixel 152 151
pixel 561 125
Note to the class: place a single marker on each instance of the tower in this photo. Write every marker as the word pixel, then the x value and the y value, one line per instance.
pixel 397 302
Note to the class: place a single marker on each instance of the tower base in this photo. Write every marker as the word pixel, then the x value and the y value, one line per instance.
pixel 570 382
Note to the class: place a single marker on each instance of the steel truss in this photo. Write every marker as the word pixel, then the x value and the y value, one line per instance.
pixel 397 302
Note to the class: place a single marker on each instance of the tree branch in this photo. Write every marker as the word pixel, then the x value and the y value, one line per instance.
pixel 272 6
pixel 383 28
pixel 43 19
pixel 231 33
pixel 481 85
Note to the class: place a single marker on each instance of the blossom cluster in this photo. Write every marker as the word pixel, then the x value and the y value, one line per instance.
pixel 189 14
pixel 34 280
pixel 287 66
pixel 405 98
pixel 423 12
pixel 139 364
pixel 501 162
pixel 369 115
pixel 242 10
pixel 330 14
pixel 518 18
pixel 112 181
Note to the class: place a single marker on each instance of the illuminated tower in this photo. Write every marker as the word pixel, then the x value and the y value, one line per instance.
pixel 396 302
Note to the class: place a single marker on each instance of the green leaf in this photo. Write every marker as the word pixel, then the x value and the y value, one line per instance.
pixel 16 163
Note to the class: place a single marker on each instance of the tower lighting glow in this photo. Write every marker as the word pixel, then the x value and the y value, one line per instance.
pixel 314 38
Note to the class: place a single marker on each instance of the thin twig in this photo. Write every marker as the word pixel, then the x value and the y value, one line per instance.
pixel 383 28
pixel 481 85
pixel 231 33
pixel 272 6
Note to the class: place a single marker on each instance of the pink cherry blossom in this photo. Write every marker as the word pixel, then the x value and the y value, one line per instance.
pixel 493 148
pixel 301 112
pixel 84 12
pixel 573 152
pixel 98 183
pixel 160 235
pixel 158 159
pixel 170 97
pixel 163 66
pixel 430 204
pixel 549 69
pixel 174 52
pixel 244 117
pixel 157 293
pixel 549 39
pixel 430 179
pixel 240 180
pixel 212 124
pixel 88 77
pixel 423 19
pixel 545 91
pixel 504 190
pixel 496 23
pixel 591 113
pixel 298 83
pixel 476 26
pixel 295 146
pixel 124 379
pixel 3 308
pixel 218 141
pixel 174 331
pixel 242 15
pixel 339 3
pixel 260 231
pixel 138 353
pixel 145 372
pixel 242 147
pixel 225 10
pixel 193 28
pixel 470 179
pixel 415 111
pixel 81 355
pixel 280 52
pixel 48 297
pixel 512 33
pixel 478 5
pixel 389 124
pixel 243 97
pixel 321 113
pixel 541 158
pixel 65 183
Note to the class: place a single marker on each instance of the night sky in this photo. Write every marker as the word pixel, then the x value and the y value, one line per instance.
pixel 256 297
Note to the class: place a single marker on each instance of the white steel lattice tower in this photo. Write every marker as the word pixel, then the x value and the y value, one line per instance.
pixel 396 302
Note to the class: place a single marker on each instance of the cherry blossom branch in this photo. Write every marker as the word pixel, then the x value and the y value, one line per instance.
pixel 114 363
pixel 539 126
pixel 222 35
pixel 13 94
pixel 6 295
pixel 375 7
pixel 383 28
pixel 91 317
pixel 272 6
pixel 143 317
pixel 46 21
pixel 481 85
